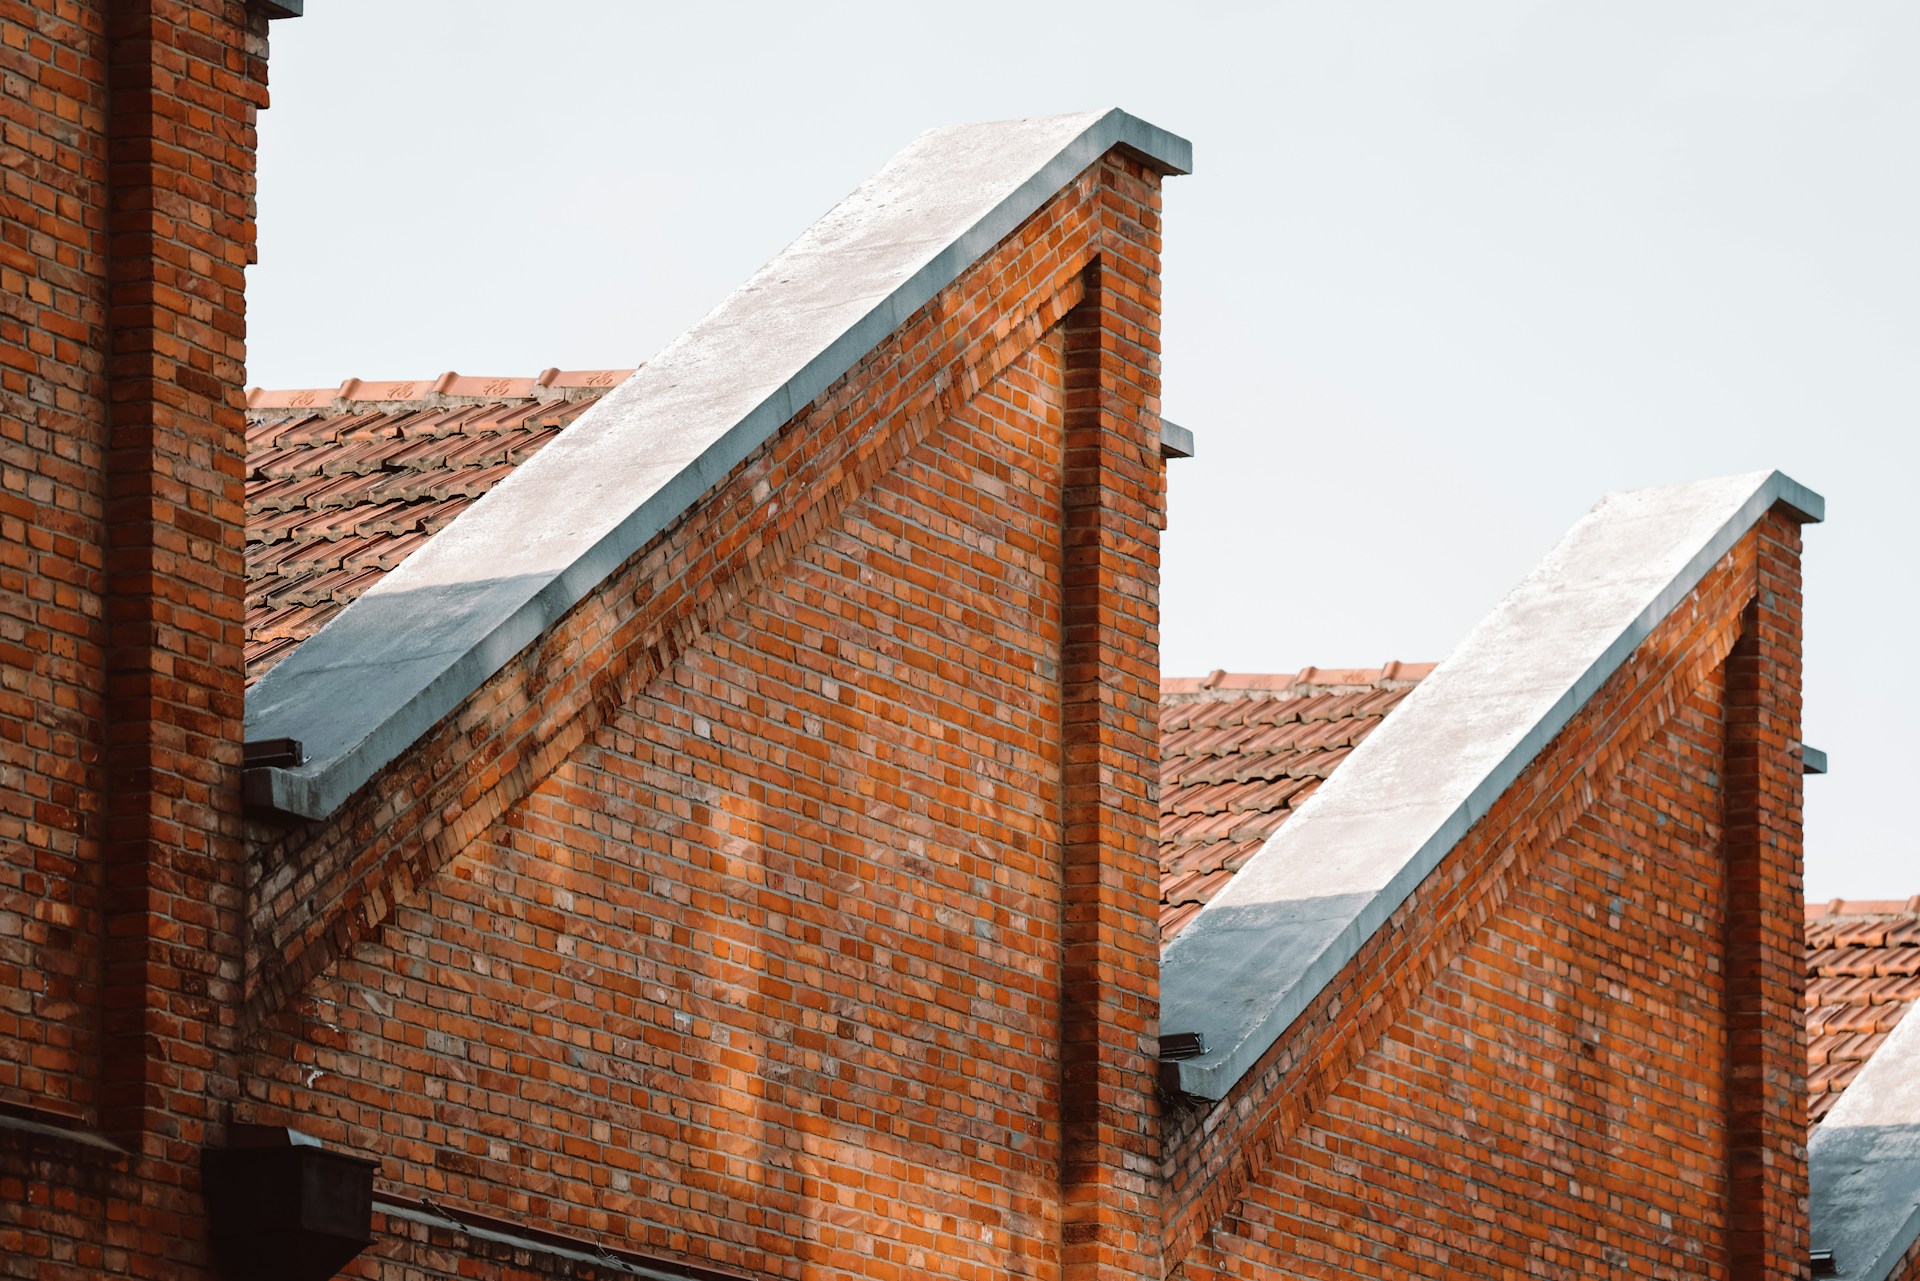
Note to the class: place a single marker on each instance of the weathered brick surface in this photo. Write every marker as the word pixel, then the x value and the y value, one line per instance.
pixel 792 904
pixel 1538 1067
pixel 128 179
pixel 745 917
pixel 53 442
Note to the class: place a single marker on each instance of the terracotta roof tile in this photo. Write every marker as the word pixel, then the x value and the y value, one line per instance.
pixel 1863 975
pixel 344 483
pixel 1239 753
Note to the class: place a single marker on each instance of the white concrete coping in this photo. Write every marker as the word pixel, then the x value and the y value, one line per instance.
pixel 1863 1162
pixel 1254 958
pixel 402 656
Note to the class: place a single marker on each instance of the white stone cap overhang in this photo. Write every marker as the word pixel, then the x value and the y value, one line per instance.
pixel 1863 1162
pixel 1255 957
pixel 361 690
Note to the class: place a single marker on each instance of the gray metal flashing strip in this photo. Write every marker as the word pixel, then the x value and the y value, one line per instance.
pixel 430 633
pixel 37 1127
pixel 1863 1162
pixel 1812 760
pixel 1252 960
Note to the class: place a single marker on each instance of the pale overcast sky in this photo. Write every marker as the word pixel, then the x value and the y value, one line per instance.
pixel 1443 275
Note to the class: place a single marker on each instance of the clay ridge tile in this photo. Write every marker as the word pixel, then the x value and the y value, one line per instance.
pixel 449 388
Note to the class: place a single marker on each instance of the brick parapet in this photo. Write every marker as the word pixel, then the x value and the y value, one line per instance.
pixel 1553 1102
pixel 1217 1157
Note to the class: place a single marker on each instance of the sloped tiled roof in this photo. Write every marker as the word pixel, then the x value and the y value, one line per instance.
pixel 345 483
pixel 1863 974
pixel 1239 753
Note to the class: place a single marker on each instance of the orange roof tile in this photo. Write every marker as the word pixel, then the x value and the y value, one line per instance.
pixel 1239 753
pixel 344 483
pixel 1863 974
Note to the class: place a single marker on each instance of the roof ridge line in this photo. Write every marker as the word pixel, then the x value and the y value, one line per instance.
pixel 448 389
pixel 1310 680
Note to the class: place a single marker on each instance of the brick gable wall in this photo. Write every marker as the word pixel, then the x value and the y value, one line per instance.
pixel 776 957
pixel 1573 1088
pixel 748 915
pixel 128 183
pixel 1580 1037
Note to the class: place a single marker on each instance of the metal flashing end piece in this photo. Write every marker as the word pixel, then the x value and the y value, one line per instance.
pixel 1812 760
pixel 1175 441
pixel 264 753
pixel 1175 1046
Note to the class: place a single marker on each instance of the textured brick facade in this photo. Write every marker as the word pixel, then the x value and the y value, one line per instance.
pixel 790 907
pixel 128 158
pixel 1571 1052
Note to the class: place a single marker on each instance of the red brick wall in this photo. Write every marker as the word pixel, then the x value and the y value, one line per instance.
pixel 53 357
pixel 128 181
pixel 1537 1068
pixel 734 921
